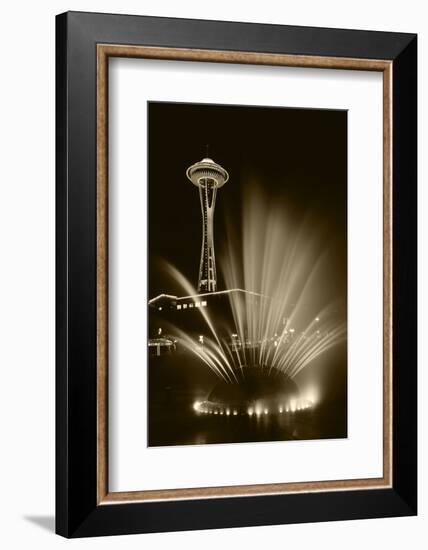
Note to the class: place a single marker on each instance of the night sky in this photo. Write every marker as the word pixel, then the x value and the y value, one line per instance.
pixel 296 155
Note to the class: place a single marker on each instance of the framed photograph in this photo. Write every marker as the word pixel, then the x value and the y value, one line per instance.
pixel 236 274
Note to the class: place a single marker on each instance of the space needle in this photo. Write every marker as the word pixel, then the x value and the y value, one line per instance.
pixel 208 176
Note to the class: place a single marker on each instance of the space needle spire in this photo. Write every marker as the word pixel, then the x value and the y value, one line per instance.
pixel 208 176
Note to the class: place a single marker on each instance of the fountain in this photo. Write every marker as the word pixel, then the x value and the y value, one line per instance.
pixel 281 317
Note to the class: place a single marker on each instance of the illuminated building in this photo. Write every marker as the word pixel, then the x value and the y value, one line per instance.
pixel 186 312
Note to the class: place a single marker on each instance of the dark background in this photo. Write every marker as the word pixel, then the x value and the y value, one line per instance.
pixel 296 155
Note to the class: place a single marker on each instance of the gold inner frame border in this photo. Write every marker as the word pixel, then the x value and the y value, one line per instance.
pixel 104 52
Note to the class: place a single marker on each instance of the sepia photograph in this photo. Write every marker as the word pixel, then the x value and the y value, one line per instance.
pixel 247 274
pixel 235 275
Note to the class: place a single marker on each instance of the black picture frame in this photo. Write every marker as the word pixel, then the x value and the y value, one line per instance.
pixel 77 512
